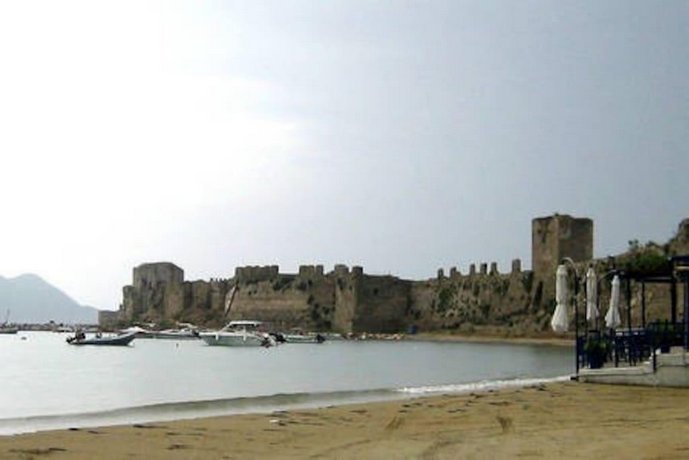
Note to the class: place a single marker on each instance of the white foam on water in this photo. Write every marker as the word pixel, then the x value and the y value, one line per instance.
pixel 484 385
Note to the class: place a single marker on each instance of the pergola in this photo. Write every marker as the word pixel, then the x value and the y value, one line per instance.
pixel 637 343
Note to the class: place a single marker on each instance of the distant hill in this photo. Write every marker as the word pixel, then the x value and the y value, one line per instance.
pixel 31 299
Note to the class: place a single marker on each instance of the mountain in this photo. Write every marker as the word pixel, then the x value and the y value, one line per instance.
pixel 31 299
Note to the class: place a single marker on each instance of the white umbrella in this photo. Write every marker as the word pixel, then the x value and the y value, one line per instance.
pixel 612 318
pixel 591 295
pixel 560 321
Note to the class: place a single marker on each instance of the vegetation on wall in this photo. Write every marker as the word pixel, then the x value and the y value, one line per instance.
pixel 648 259
pixel 445 296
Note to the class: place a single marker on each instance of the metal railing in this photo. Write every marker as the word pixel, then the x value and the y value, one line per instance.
pixel 629 347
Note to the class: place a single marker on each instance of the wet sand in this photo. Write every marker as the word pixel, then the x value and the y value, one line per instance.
pixel 563 420
pixel 497 338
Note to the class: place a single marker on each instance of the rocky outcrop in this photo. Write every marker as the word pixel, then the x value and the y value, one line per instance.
pixel 679 244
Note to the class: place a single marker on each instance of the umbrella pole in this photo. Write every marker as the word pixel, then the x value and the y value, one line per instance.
pixel 576 322
pixel 628 292
pixel 686 311
pixel 673 300
pixel 600 310
pixel 643 304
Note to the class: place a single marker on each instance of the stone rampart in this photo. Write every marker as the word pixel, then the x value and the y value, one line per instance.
pixel 351 300
pixel 344 300
pixel 382 304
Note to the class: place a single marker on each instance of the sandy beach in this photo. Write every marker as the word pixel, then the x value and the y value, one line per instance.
pixel 565 420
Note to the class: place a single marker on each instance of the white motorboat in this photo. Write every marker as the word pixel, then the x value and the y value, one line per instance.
pixel 140 332
pixel 185 331
pixel 238 334
pixel 176 334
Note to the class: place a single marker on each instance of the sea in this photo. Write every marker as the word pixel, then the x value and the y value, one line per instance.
pixel 47 384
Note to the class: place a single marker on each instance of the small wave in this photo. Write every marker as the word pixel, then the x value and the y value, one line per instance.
pixel 483 385
pixel 191 409
pixel 242 405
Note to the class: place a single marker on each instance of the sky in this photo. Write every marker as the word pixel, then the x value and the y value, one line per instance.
pixel 402 136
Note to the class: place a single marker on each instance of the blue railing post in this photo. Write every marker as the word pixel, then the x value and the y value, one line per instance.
pixel 686 310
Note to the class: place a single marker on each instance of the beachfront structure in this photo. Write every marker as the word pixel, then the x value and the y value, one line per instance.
pixel 618 349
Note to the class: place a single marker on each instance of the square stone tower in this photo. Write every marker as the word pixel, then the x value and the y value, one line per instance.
pixel 158 272
pixel 558 236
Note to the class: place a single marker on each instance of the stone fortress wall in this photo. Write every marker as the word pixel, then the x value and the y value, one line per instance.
pixel 350 300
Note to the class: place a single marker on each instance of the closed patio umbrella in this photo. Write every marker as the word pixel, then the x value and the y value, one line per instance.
pixel 612 318
pixel 591 295
pixel 560 321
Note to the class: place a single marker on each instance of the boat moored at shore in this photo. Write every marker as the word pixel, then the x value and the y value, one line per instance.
pixel 185 332
pixel 115 340
pixel 238 334
pixel 298 336
pixel 6 328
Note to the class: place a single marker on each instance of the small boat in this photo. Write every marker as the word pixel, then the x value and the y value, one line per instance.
pixel 121 340
pixel 238 334
pixel 299 336
pixel 175 334
pixel 5 328
pixel 184 331
pixel 140 332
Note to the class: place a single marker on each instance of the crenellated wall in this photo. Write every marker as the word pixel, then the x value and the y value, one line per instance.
pixel 345 300
pixel 350 300
pixel 255 273
pixel 477 299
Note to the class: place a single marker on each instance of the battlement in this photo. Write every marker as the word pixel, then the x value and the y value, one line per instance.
pixel 341 270
pixel 254 274
pixel 516 266
pixel 484 270
pixel 311 271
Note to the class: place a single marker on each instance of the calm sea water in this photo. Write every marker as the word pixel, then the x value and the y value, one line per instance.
pixel 48 384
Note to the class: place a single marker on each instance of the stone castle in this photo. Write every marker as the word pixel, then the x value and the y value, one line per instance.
pixel 350 300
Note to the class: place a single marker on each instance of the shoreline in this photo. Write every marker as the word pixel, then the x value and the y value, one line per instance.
pixel 485 334
pixel 569 420
pixel 490 338
pixel 230 407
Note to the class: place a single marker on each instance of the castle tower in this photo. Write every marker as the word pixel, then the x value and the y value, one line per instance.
pixel 158 272
pixel 556 237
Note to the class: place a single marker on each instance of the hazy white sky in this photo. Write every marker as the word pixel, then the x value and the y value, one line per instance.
pixel 402 136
